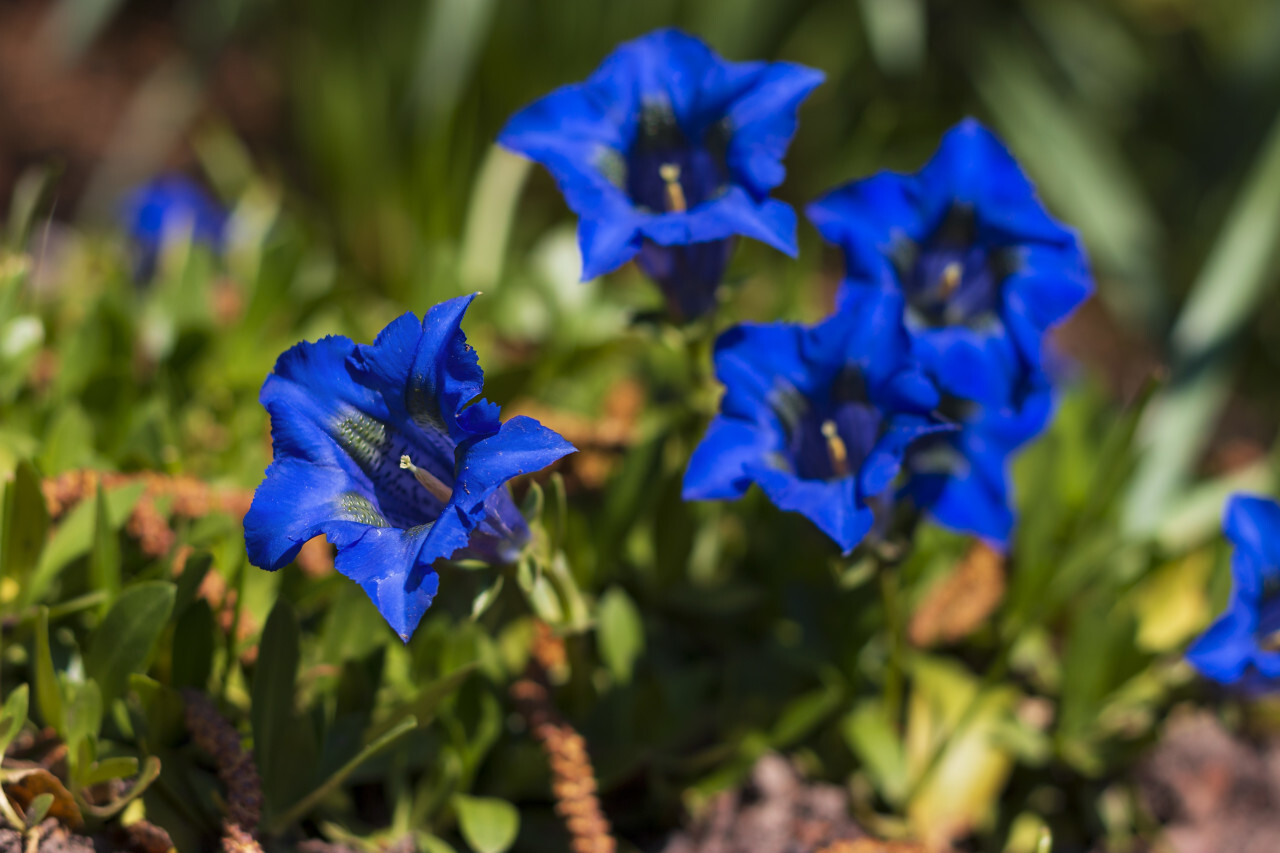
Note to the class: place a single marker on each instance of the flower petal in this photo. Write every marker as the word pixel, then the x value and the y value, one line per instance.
pixel 884 461
pixel 972 167
pixel 521 446
pixel 764 121
pixel 833 506
pixel 718 467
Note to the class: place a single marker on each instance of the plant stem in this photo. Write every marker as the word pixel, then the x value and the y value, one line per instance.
pixel 893 676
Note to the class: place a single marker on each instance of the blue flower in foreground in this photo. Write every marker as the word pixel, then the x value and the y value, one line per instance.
pixel 819 417
pixel 386 450
pixel 668 151
pixel 168 208
pixel 984 269
pixel 1242 646
pixel 961 478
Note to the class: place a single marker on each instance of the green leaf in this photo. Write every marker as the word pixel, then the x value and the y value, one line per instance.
pixel 84 720
pixel 283 741
pixel 620 632
pixel 531 506
pixel 486 598
pixel 126 639
pixel 488 825
pixel 150 771
pixel 68 442
pixel 73 537
pixel 868 733
pixel 104 557
pixel 38 808
pixel 193 640
pixel 194 571
pixel 423 706
pixel 48 690
pixel 120 767
pixel 13 716
pixel 26 524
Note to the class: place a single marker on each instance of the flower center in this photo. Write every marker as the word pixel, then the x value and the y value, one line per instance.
pixel 952 279
pixel 429 481
pixel 668 172
pixel 828 439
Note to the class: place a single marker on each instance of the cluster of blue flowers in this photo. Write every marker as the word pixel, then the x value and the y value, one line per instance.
pixel 930 373
pixel 910 398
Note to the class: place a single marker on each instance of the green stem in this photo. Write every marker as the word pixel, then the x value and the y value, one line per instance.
pixel 894 668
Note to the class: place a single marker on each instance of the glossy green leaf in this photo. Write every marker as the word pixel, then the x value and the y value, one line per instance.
pixel 126 639
pixel 489 825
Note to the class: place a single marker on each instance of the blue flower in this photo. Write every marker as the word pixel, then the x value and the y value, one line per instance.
pixel 961 478
pixel 386 450
pixel 819 417
pixel 1241 647
pixel 668 151
pixel 985 270
pixel 168 208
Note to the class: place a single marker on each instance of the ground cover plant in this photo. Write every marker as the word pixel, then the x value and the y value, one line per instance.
pixel 806 430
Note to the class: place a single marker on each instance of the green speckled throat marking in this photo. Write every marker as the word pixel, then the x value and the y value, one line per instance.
pixel 356 507
pixel 364 438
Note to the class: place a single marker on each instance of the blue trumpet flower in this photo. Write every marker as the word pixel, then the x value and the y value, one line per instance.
pixel 668 152
pixel 1243 646
pixel 387 450
pixel 168 208
pixel 819 417
pixel 961 478
pixel 983 267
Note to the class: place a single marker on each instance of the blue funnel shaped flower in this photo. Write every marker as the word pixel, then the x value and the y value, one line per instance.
pixel 386 450
pixel 819 417
pixel 668 151
pixel 961 478
pixel 984 269
pixel 168 208
pixel 1243 646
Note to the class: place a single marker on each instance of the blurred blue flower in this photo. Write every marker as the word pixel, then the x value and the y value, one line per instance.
pixel 984 269
pixel 668 151
pixel 819 417
pixel 168 208
pixel 386 450
pixel 985 272
pixel 961 478
pixel 1242 646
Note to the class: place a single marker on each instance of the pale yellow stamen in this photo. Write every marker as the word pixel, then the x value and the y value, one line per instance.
pixel 439 490
pixel 951 275
pixel 836 448
pixel 670 173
